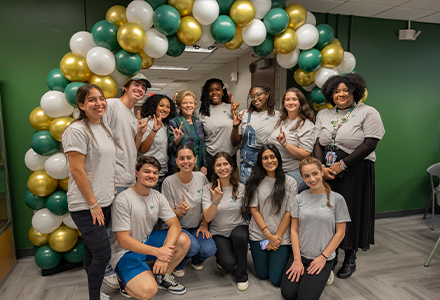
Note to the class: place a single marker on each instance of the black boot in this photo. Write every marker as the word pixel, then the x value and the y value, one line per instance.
pixel 348 266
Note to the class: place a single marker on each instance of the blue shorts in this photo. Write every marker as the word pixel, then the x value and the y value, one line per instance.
pixel 132 264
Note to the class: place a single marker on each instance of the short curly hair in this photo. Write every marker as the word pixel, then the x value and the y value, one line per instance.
pixel 150 105
pixel 355 83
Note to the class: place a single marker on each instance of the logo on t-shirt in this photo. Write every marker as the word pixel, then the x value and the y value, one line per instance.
pixel 267 118
pixel 153 207
pixel 325 207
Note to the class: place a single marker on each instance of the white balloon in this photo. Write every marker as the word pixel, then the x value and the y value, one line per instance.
pixel 140 12
pixel 101 61
pixel 57 166
pixel 45 222
pixel 67 220
pixel 34 161
pixel 206 40
pixel 348 64
pixel 308 36
pixel 81 43
pixel 309 88
pixel 119 78
pixel 288 60
pixel 156 45
pixel 323 74
pixel 55 105
pixel 255 33
pixel 261 7
pixel 205 11
pixel 310 19
pixel 75 113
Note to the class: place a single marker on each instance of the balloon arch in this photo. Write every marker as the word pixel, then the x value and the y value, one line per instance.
pixel 128 40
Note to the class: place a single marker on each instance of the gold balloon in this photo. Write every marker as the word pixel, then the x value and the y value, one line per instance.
pixel 317 107
pixel 79 233
pixel 106 83
pixel 242 12
pixel 147 61
pixel 74 67
pixel 364 97
pixel 285 42
pixel 58 126
pixel 116 15
pixel 237 41
pixel 131 37
pixel 332 56
pixel 63 183
pixel 337 42
pixel 39 120
pixel 184 7
pixel 189 31
pixel 304 78
pixel 37 238
pixel 41 184
pixel 329 106
pixel 63 239
pixel 274 52
pixel 297 15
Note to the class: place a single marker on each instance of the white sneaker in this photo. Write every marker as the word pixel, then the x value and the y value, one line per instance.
pixel 197 267
pixel 331 278
pixel 112 281
pixel 218 265
pixel 104 296
pixel 167 282
pixel 242 286
pixel 179 273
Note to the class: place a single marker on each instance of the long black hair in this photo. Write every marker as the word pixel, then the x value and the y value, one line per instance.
pixel 150 106
pixel 276 196
pixel 270 101
pixel 206 100
pixel 355 83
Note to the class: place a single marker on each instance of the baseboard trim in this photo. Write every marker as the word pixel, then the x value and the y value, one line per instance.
pixel 400 213
pixel 26 252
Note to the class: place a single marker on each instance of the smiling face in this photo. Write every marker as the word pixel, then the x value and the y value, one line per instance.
pixel 136 90
pixel 215 93
pixel 94 105
pixel 186 160
pixel 342 97
pixel 222 168
pixel 258 97
pixel 163 109
pixel 147 176
pixel 292 104
pixel 187 106
pixel 312 176
pixel 270 162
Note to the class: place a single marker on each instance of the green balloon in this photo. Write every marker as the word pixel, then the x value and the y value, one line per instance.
pixel 36 248
pixel 44 144
pixel 317 96
pixel 225 6
pixel 35 202
pixel 104 34
pixel 57 203
pixel 326 35
pixel 352 72
pixel 127 63
pixel 265 48
pixel 70 92
pixel 310 60
pixel 223 29
pixel 156 3
pixel 166 20
pixel 276 21
pixel 56 81
pixel 279 4
pixel 76 254
pixel 175 46
pixel 46 258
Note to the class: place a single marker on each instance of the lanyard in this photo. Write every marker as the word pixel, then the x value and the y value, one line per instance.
pixel 336 126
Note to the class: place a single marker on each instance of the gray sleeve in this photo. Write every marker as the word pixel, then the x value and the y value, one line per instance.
pixel 254 201
pixel 166 191
pixel 165 212
pixel 294 207
pixel 373 126
pixel 318 126
pixel 341 211
pixel 206 197
pixel 76 140
pixel 121 220
pixel 307 137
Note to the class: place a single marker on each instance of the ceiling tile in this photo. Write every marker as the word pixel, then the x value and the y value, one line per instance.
pixel 381 2
pixel 435 18
pixel 404 14
pixel 423 4
pixel 359 9
pixel 317 5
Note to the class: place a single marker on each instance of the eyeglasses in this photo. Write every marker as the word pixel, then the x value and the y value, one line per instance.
pixel 257 95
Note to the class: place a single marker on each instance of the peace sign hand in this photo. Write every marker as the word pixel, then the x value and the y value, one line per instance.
pixel 237 118
pixel 281 138
pixel 178 134
pixel 157 123
pixel 141 124
pixel 184 207
pixel 234 107
pixel 217 193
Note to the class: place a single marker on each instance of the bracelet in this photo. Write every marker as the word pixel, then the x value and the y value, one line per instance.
pixel 323 166
pixel 324 255
pixel 215 203
pixel 266 232
pixel 182 214
pixel 203 224
pixel 263 228
pixel 342 165
pixel 93 206
pixel 285 144
pixel 154 130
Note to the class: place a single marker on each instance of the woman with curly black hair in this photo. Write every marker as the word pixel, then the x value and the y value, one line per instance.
pixel 157 110
pixel 215 114
pixel 268 194
pixel 346 138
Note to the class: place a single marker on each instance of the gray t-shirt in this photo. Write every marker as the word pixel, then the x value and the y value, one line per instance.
pixel 123 125
pixel 159 147
pixel 364 121
pixel 261 122
pixel 172 188
pixel 303 137
pixel 317 221
pixel 137 214
pixel 99 163
pixel 272 220
pixel 218 128
pixel 228 215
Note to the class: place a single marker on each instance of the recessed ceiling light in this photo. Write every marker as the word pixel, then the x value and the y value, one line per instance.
pixel 154 89
pixel 169 68
pixel 159 84
pixel 198 49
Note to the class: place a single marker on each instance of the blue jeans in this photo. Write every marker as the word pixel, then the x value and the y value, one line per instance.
pixel 299 180
pixel 249 151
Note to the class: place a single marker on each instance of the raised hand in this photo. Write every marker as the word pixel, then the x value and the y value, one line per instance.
pixel 178 134
pixel 217 193
pixel 141 124
pixel 281 138
pixel 237 118
pixel 183 207
pixel 157 123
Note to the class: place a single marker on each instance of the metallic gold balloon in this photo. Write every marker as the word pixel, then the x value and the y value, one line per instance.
pixel 285 42
pixel 297 15
pixel 147 61
pixel 37 238
pixel 189 31
pixel 304 78
pixel 332 56
pixel 39 120
pixel 74 67
pixel 106 83
pixel 41 184
pixel 116 15
pixel 329 106
pixel 317 107
pixel 58 126
pixel 63 239
pixel 364 97
pixel 274 52
pixel 337 42
pixel 242 12
pixel 237 41
pixel 63 183
pixel 184 7
pixel 131 37
pixel 79 233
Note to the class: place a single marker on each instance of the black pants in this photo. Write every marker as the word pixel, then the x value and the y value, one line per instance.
pixel 97 250
pixel 233 251
pixel 308 287
pixel 210 165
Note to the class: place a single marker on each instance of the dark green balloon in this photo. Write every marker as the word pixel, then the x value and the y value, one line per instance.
pixel 225 6
pixel 265 48
pixel 279 4
pixel 223 29
pixel 56 81
pixel 175 46
pixel 310 60
pixel 70 92
pixel 57 203
pixel 317 96
pixel 156 3
pixel 326 35
pixel 44 144
pixel 35 202
pixel 76 254
pixel 276 21
pixel 104 35
pixel 166 20
pixel 36 248
pixel 127 63
pixel 46 258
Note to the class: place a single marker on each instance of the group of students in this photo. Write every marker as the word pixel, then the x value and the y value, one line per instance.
pixel 163 208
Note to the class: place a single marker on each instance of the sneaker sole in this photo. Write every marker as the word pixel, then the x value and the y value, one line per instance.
pixel 181 292
pixel 115 287
pixel 197 268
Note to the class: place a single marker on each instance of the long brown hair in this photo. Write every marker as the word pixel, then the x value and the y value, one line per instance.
pixel 313 161
pixel 305 112
pixel 233 179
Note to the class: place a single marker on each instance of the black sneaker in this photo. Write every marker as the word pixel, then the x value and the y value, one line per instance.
pixel 124 293
pixel 167 282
